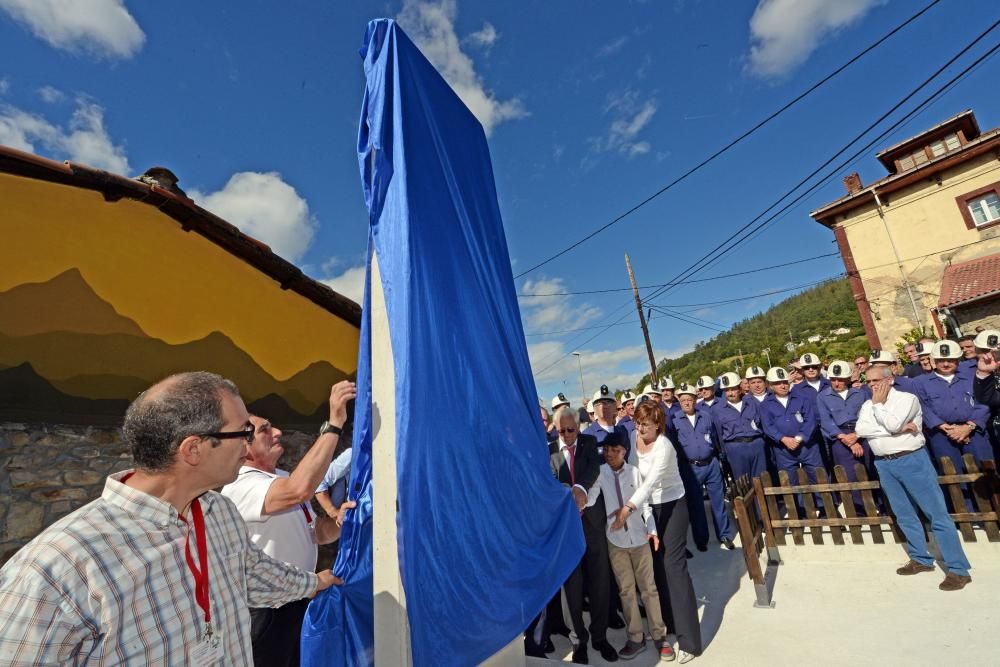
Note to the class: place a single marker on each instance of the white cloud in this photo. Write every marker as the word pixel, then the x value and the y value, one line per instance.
pixel 485 38
pixel 552 313
pixel 98 27
pixel 601 366
pixel 431 25
pixel 84 140
pixel 350 283
pixel 51 94
pixel 631 115
pixel 4 86
pixel 265 207
pixel 784 33
pixel 612 47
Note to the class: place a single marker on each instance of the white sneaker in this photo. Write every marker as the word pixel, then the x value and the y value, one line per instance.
pixel 684 656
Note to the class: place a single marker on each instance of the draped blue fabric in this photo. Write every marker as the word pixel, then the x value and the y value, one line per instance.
pixel 486 534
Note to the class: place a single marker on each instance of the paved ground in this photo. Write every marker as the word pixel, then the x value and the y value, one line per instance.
pixel 838 605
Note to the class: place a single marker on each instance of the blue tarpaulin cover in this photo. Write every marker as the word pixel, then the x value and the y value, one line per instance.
pixel 486 535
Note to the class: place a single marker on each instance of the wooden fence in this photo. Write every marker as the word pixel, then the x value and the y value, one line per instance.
pixel 758 515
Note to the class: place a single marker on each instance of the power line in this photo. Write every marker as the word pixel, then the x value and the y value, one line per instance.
pixel 754 226
pixel 695 280
pixel 732 143
pixel 750 296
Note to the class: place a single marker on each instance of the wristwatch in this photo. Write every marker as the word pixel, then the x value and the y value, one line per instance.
pixel 327 427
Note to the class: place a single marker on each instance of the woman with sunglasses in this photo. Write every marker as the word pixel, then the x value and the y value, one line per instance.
pixel 655 457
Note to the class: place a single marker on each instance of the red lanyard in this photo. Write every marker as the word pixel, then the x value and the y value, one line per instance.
pixel 200 574
pixel 306 512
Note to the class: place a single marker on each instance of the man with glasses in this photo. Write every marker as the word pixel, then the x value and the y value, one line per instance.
pixel 275 506
pixel 860 367
pixel 159 569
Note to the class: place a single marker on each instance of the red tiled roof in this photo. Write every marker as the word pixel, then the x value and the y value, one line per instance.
pixel 970 280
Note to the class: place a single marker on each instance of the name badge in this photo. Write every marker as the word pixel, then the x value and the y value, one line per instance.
pixel 207 652
pixel 708 438
pixel 753 424
pixel 798 417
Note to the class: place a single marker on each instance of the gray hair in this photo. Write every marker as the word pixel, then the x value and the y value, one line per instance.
pixel 882 370
pixel 162 416
pixel 564 412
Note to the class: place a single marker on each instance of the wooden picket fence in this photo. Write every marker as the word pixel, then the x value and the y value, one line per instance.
pixel 758 517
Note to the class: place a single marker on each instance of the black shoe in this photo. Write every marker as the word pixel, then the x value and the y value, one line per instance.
pixel 608 652
pixel 580 655
pixel 616 622
pixel 729 544
pixel 701 547
pixel 533 651
pixel 549 646
pixel 688 554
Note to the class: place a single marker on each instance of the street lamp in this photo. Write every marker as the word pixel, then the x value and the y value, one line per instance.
pixel 583 392
pixel 767 353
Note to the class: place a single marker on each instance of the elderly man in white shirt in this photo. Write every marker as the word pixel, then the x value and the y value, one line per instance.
pixel 891 421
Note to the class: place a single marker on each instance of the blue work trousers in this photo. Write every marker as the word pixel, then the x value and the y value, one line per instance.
pixel 694 498
pixel 710 477
pixel 910 482
pixel 746 458
pixel 807 457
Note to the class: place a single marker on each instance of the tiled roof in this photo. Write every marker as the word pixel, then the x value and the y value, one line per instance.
pixel 970 280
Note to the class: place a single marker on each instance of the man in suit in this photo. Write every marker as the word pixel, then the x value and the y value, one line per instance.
pixel 576 463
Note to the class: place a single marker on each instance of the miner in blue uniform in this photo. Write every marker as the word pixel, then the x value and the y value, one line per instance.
pixel 954 423
pixel 790 423
pixel 669 402
pixel 967 364
pixel 605 407
pixel 986 382
pixel 738 430
pixel 706 392
pixel 698 447
pixel 628 405
pixel 838 405
pixel 812 383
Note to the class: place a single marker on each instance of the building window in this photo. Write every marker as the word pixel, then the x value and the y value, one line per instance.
pixel 980 208
pixel 985 209
pixel 945 144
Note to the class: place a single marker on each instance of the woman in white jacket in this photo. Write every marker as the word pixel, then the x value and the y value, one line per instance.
pixel 655 457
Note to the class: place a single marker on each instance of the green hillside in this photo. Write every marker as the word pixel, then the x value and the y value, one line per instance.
pixel 816 311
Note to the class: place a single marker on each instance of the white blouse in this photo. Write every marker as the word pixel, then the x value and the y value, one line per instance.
pixel 661 478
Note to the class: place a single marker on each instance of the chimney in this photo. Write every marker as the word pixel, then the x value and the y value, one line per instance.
pixel 164 178
pixel 853 183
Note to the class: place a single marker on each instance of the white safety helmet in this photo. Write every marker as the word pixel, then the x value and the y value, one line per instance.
pixel 882 357
pixel 945 349
pixel 705 382
pixel 923 349
pixel 755 372
pixel 685 388
pixel 777 374
pixel 559 400
pixel 603 394
pixel 729 380
pixel 841 370
pixel 988 339
pixel 809 359
pixel 627 396
pixel 666 383
pixel 649 390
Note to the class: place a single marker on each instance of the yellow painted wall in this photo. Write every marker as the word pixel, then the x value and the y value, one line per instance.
pixel 178 286
pixel 923 219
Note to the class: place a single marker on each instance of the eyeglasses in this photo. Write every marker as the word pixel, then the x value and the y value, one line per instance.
pixel 564 431
pixel 247 434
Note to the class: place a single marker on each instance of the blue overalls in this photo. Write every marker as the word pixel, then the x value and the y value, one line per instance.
pixel 798 418
pixel 741 436
pixel 839 416
pixel 596 430
pixel 698 448
pixel 807 391
pixel 953 403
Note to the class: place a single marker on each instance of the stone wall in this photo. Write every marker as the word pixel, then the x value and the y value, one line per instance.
pixel 49 470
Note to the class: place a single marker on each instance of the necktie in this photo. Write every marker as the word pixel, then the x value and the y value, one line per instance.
pixel 618 492
pixel 572 462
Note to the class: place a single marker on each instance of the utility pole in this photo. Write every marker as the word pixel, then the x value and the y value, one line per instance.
pixel 642 322
pixel 583 392
pixel 767 354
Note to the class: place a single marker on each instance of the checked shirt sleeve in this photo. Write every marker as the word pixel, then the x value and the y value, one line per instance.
pixel 271 583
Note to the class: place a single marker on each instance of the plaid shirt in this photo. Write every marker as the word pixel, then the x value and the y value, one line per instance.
pixel 109 584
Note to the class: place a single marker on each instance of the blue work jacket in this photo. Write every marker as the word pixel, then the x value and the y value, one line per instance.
pixel 944 403
pixel 799 418
pixel 731 423
pixel 834 411
pixel 697 442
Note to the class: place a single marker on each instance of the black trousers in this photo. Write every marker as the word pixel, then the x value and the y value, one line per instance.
pixel 673 582
pixel 276 634
pixel 598 573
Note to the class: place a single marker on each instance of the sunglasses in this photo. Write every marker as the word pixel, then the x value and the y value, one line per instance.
pixel 564 431
pixel 247 434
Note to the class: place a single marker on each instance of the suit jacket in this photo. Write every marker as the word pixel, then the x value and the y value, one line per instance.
pixel 587 467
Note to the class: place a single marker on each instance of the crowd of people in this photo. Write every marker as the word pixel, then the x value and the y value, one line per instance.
pixel 641 466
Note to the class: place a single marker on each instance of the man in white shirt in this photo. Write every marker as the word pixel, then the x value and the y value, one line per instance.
pixel 275 506
pixel 631 560
pixel 891 420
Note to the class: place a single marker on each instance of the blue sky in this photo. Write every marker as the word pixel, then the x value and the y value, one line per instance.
pixel 589 106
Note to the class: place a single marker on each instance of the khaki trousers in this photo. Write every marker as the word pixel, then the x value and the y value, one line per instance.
pixel 634 567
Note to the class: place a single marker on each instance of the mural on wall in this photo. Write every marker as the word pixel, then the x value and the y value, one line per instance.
pixel 99 299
